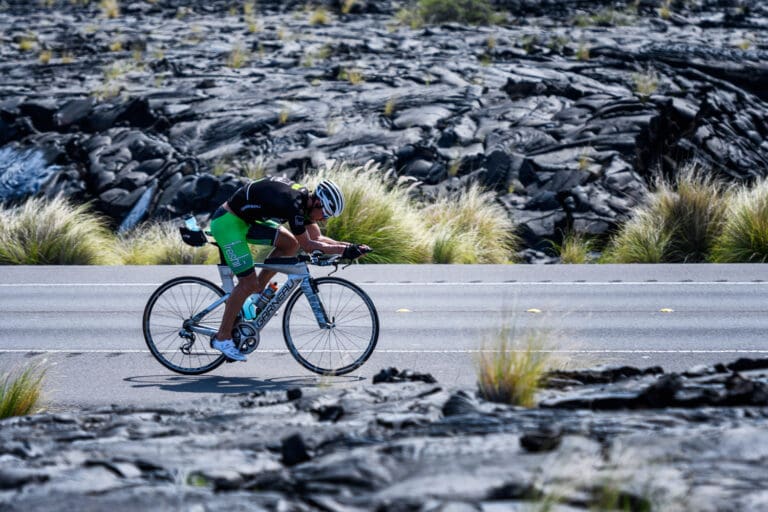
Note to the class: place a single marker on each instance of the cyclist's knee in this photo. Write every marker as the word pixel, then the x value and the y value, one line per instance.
pixel 287 243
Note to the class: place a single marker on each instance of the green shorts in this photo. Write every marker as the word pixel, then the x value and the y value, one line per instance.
pixel 233 235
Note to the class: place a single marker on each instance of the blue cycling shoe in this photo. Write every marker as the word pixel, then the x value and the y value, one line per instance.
pixel 228 348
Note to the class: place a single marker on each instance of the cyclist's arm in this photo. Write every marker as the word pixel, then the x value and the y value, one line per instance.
pixel 323 243
pixel 315 234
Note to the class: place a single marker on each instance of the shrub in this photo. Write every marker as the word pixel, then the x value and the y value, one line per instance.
pixel 678 224
pixel 744 237
pixel 28 43
pixel 110 8
pixel 475 12
pixel 376 214
pixel 353 76
pixel 20 396
pixel 469 227
pixel 640 240
pixel 509 375
pixel 238 57
pixel 161 244
pixel 54 232
pixel 646 83
pixel 253 169
pixel 319 16
pixel 696 216
pixel 389 107
pixel 575 249
pixel 450 246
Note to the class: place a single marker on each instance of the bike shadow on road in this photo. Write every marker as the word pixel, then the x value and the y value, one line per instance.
pixel 212 384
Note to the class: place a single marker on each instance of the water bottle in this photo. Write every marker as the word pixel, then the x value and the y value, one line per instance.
pixel 191 222
pixel 249 308
pixel 266 296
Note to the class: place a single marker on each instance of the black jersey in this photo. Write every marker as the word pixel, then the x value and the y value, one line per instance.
pixel 272 198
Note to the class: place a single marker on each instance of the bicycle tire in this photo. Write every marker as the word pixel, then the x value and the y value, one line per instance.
pixel 182 297
pixel 344 303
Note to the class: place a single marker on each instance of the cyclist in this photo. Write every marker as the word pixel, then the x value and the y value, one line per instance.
pixel 254 214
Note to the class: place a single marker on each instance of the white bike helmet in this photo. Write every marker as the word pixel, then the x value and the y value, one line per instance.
pixel 331 197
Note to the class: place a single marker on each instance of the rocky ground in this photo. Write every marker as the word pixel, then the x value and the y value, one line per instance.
pixel 604 439
pixel 567 109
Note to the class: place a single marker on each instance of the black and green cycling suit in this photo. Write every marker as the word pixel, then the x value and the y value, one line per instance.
pixel 258 209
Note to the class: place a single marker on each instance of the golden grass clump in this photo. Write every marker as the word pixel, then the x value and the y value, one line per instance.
pixel 239 56
pixel 54 232
pixel 376 214
pixel 744 237
pixel 646 83
pixel 319 16
pixel 28 43
pixel 639 241
pixel 161 244
pixel 469 226
pixel 110 8
pixel 20 395
pixel 678 224
pixel 512 375
pixel 575 249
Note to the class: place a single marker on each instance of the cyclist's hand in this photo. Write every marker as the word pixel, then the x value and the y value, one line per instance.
pixel 354 251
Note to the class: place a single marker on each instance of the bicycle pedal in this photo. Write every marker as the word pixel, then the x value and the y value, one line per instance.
pixel 228 360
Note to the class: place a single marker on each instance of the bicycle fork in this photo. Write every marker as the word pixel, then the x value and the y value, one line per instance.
pixel 309 287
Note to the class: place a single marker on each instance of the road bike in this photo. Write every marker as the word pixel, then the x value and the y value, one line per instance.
pixel 330 325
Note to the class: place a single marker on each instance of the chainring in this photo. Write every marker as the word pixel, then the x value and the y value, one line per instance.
pixel 246 337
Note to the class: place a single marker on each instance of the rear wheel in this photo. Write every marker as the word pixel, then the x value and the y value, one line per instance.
pixel 351 337
pixel 167 320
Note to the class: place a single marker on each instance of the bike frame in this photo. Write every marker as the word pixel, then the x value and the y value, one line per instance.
pixel 298 275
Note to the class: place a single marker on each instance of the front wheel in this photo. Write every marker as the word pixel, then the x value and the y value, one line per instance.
pixel 167 325
pixel 349 340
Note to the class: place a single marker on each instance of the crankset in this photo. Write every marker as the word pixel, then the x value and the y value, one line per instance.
pixel 246 337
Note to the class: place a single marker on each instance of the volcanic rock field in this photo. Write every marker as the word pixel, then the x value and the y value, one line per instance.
pixel 568 109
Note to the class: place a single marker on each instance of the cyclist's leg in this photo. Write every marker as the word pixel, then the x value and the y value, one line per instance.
pixel 282 240
pixel 230 233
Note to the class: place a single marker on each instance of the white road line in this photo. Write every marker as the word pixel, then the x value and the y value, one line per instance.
pixel 426 283
pixel 412 351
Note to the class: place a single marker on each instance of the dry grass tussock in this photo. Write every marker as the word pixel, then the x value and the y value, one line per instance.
pixel 576 248
pixel 513 370
pixel 20 393
pixel 377 214
pixel 54 232
pixel 744 236
pixel 678 224
pixel 160 244
pixel 469 226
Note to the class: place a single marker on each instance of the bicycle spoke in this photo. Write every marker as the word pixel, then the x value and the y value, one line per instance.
pixel 352 334
pixel 170 306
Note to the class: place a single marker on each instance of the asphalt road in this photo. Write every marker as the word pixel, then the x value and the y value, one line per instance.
pixel 84 324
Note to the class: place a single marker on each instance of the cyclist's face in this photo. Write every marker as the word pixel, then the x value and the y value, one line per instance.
pixel 316 213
